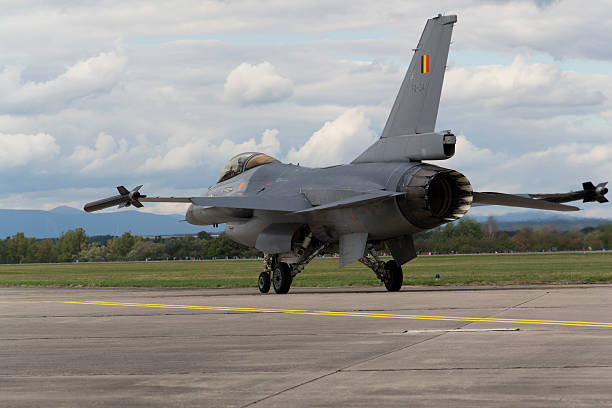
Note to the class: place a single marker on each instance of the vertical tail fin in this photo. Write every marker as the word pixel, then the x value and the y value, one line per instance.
pixel 416 107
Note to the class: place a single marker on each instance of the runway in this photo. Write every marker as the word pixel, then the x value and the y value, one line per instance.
pixel 431 347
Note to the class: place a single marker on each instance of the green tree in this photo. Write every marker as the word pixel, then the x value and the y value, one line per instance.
pixel 606 235
pixel 184 247
pixel 46 251
pixel 71 243
pixel 468 228
pixel 147 250
pixel 3 251
pixel 204 235
pixel 120 247
pixel 20 249
pixel 222 247
pixel 95 253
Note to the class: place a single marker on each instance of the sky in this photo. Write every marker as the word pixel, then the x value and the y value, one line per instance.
pixel 99 94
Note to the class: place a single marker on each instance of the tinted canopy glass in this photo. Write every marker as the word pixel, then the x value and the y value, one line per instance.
pixel 243 162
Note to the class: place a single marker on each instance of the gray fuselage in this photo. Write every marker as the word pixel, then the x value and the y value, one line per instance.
pixel 317 186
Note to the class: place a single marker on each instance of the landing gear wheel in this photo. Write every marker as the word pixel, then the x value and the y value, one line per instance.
pixel 393 276
pixel 264 282
pixel 281 278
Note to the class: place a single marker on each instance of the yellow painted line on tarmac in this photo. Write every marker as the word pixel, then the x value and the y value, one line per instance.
pixel 348 314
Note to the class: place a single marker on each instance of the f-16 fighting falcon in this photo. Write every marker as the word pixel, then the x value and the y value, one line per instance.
pixel 375 203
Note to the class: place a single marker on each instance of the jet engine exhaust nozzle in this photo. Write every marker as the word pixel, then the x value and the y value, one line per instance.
pixel 434 195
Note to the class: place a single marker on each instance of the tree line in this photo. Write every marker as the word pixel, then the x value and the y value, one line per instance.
pixel 469 236
pixel 465 236
pixel 75 245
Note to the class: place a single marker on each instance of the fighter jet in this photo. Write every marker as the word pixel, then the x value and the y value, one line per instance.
pixel 376 203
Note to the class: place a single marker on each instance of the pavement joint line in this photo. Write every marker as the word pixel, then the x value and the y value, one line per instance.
pixel 348 314
pixel 343 369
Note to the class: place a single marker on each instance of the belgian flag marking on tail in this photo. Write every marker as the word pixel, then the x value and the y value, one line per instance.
pixel 425 64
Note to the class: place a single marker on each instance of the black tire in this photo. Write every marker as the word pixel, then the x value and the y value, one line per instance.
pixel 264 282
pixel 394 276
pixel 281 278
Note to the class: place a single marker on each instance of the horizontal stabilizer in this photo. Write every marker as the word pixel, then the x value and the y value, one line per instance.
pixel 511 200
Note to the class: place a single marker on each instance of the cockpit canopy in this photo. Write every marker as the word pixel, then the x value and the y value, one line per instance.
pixel 243 162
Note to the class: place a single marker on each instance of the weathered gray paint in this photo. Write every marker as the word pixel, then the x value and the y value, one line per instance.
pixel 352 247
pixel 402 249
pixel 416 107
pixel 276 238
pixel 426 146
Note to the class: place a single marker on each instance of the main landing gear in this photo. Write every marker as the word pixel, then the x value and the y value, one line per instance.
pixel 264 282
pixel 390 272
pixel 281 278
pixel 277 274
pixel 280 269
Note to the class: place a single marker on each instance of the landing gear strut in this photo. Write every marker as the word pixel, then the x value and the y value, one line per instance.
pixel 280 269
pixel 389 273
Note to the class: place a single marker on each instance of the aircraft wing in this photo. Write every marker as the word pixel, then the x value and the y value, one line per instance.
pixel 512 200
pixel 354 200
pixel 286 204
pixel 127 198
pixel 589 193
pixel 295 204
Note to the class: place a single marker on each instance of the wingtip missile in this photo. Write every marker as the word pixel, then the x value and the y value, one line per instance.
pixel 594 192
pixel 124 199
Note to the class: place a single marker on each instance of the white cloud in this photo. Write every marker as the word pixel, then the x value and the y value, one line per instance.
pixel 522 85
pixel 82 79
pixel 198 152
pixel 106 157
pixel 21 149
pixel 556 169
pixel 134 92
pixel 564 29
pixel 250 84
pixel 337 142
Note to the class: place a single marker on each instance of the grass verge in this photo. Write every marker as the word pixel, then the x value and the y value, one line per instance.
pixel 465 269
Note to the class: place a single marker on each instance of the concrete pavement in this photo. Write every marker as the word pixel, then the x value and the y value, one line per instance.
pixel 544 346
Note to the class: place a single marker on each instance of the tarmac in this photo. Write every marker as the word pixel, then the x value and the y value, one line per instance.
pixel 360 347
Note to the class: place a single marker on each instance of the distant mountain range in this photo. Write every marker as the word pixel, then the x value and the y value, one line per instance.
pixel 50 224
pixel 515 221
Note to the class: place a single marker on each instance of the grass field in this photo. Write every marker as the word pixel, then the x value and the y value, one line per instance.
pixel 466 269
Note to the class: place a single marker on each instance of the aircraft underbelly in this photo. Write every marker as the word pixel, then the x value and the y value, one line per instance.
pixel 380 221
